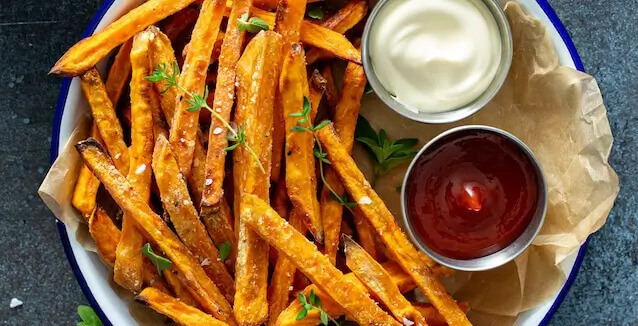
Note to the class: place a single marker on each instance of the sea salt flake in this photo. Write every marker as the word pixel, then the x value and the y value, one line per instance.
pixel 118 155
pixel 217 131
pixel 209 181
pixel 186 201
pixel 407 322
pixel 365 200
pixel 205 262
pixel 290 288
pixel 15 302
pixel 140 169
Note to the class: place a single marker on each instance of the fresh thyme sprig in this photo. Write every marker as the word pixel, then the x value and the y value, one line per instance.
pixel 224 250
pixel 305 124
pixel 252 25
pixel 161 263
pixel 313 302
pixel 197 102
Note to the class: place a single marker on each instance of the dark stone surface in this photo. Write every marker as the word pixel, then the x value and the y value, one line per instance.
pixel 33 267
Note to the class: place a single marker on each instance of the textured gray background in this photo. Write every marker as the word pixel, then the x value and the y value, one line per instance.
pixel 33 267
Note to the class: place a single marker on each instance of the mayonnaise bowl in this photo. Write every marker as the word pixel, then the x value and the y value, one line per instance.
pixel 436 61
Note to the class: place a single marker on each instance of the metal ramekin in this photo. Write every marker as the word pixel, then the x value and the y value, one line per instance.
pixel 504 255
pixel 456 114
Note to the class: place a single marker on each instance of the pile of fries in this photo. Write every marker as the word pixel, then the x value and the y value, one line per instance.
pixel 237 205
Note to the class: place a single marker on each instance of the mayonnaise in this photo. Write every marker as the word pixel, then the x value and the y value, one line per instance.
pixel 435 55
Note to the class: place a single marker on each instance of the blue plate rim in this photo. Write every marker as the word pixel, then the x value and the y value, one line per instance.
pixel 55 141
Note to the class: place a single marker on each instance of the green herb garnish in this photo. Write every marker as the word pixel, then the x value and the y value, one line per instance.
pixel 88 316
pixel 313 302
pixel 224 250
pixel 385 154
pixel 315 12
pixel 253 25
pixel 160 262
pixel 197 102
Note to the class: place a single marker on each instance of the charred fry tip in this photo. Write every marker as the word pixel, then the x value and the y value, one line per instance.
pixel 318 81
pixel 84 145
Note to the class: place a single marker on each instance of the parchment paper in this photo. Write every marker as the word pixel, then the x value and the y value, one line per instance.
pixel 557 111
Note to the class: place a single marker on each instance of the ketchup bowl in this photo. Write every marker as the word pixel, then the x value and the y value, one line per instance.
pixel 474 198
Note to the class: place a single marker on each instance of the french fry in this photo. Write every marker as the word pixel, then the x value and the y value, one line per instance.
pixel 199 285
pixel 432 316
pixel 163 54
pixel 365 234
pixel 217 47
pixel 198 170
pixel 127 271
pixel 287 22
pixel 220 228
pixel 217 142
pixel 399 277
pixel 106 236
pixel 89 51
pixel 174 25
pixel 176 200
pixel 105 118
pixel 380 283
pixel 317 86
pixel 86 186
pixel 119 72
pixel 345 120
pixel 403 251
pixel 282 279
pixel 294 245
pixel 301 180
pixel 331 90
pixel 280 201
pixel 176 282
pixel 175 309
pixel 317 36
pixel 192 79
pixel 343 20
pixel 257 76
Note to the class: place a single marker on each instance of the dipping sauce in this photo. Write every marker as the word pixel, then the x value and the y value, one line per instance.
pixel 435 55
pixel 471 194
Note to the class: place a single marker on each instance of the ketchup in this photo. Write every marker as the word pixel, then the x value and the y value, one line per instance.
pixel 471 194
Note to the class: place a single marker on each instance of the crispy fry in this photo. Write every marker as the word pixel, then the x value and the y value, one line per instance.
pixel 89 51
pixel 198 170
pixel 257 75
pixel 365 234
pixel 317 36
pixel 199 285
pixel 224 95
pixel 301 180
pixel 381 219
pixel 280 201
pixel 399 277
pixel 176 282
pixel 294 245
pixel 343 20
pixel 220 228
pixel 163 54
pixel 217 47
pixel 432 316
pixel 175 309
pixel 177 23
pixel 345 120
pixel 119 72
pixel 127 271
pixel 105 118
pixel 331 90
pixel 106 236
pixel 317 85
pixel 86 186
pixel 185 124
pixel 380 283
pixel 176 200
pixel 282 280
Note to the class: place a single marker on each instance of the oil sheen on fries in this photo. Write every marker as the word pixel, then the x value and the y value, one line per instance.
pixel 175 309
pixel 192 79
pixel 345 119
pixel 119 72
pixel 177 202
pixel 127 271
pixel 265 221
pixel 257 75
pixel 301 180
pixel 87 185
pixel 154 228
pixel 381 219
pixel 86 53
pixel 163 54
pixel 380 283
pixel 223 102
pixel 106 119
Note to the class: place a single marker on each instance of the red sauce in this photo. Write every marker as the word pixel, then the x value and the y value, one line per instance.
pixel 471 194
